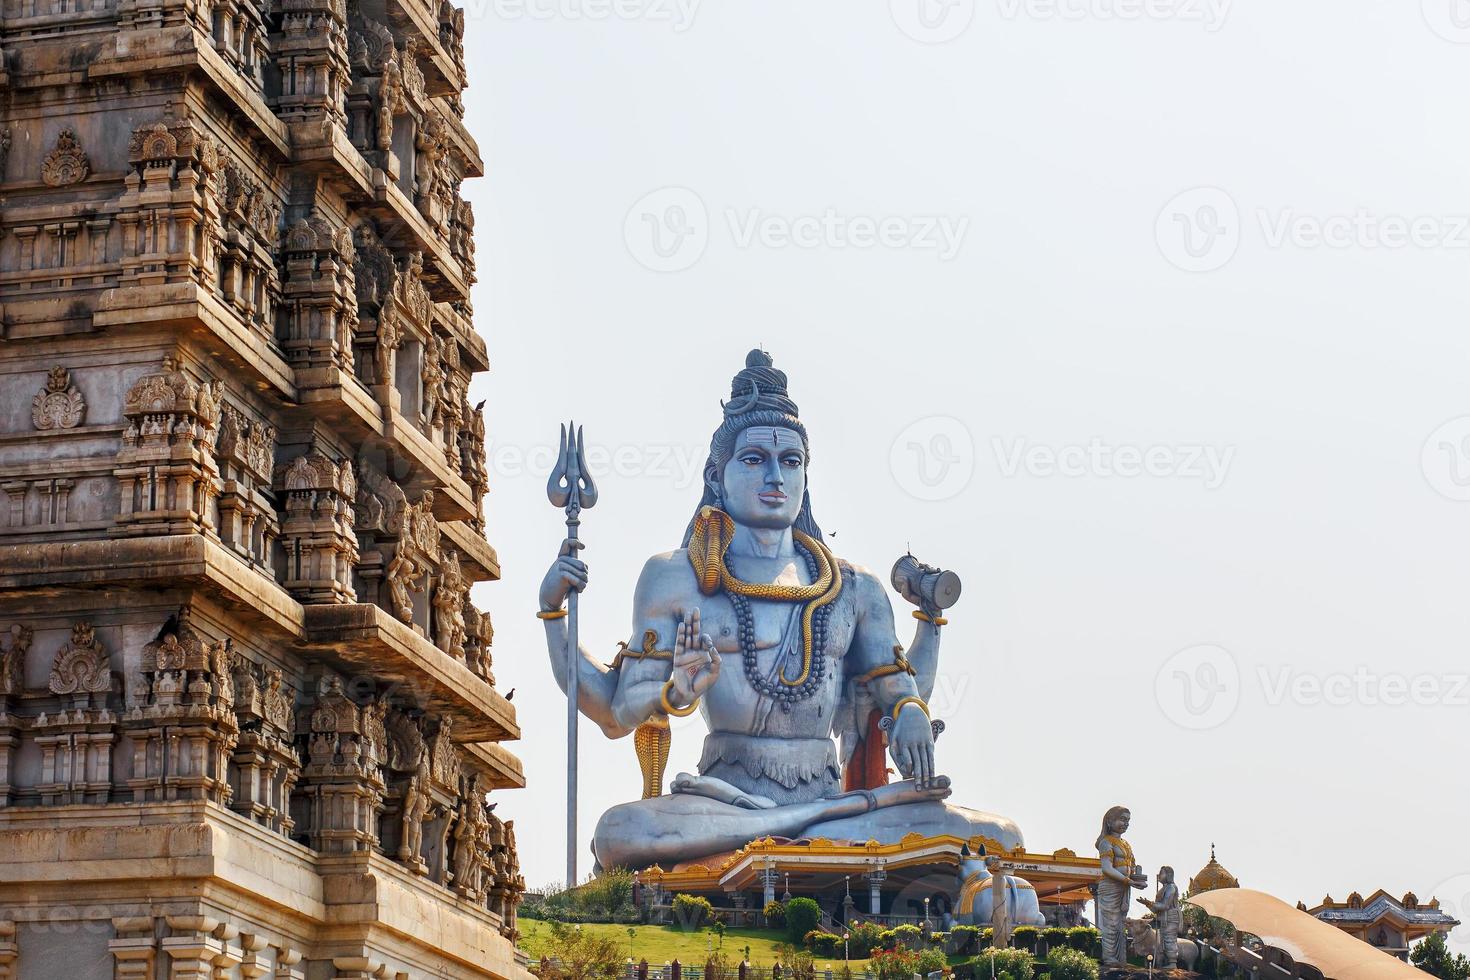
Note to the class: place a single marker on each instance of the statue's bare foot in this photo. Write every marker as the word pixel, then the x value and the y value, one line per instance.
pixel 717 789
pixel 906 791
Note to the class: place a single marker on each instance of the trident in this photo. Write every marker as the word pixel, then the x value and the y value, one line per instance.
pixel 570 487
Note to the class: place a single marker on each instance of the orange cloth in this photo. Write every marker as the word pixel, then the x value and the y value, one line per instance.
pixel 868 767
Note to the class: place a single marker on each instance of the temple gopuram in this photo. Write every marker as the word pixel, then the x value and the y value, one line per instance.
pixel 248 720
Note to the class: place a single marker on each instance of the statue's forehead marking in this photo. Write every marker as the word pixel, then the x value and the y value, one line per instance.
pixel 767 435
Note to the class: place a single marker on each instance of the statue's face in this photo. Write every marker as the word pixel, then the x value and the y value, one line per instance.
pixel 1166 876
pixel 1120 822
pixel 765 480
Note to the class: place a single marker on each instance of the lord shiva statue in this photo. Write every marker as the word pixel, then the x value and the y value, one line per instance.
pixel 780 645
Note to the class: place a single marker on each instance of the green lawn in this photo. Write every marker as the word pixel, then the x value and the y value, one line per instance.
pixel 661 944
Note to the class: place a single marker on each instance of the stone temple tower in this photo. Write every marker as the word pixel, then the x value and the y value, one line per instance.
pixel 248 722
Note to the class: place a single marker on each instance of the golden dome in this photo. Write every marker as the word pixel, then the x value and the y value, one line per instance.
pixel 1211 877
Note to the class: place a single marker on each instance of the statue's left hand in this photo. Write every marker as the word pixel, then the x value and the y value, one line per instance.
pixel 911 744
pixel 696 663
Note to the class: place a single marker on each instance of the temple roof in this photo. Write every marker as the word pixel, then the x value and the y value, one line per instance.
pixel 1407 911
pixel 1212 876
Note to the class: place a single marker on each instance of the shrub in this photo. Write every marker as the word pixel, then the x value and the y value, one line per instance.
pixel 775 914
pixel 910 936
pixel 795 963
pixel 938 939
pixel 1063 963
pixel 987 937
pixel 965 940
pixel 1085 938
pixel 692 911
pixel 1012 964
pixel 1025 937
pixel 802 916
pixel 865 937
pixel 931 961
pixel 901 964
pixel 823 943
pixel 583 955
pixel 1054 936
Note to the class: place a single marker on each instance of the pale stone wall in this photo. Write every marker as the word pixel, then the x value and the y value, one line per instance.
pixel 247 710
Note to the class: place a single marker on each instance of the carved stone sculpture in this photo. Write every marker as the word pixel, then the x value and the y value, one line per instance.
pixel 59 405
pixel 66 164
pixel 1120 874
pixel 82 666
pixel 1168 918
pixel 810 642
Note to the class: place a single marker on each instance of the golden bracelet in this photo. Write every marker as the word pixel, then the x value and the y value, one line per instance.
pixel 910 700
pixel 551 614
pixel 669 709
pixel 936 620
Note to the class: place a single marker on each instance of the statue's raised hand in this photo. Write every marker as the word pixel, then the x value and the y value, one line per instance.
pixel 911 744
pixel 566 574
pixel 696 663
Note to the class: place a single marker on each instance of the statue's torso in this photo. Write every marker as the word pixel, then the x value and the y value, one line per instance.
pixel 733 705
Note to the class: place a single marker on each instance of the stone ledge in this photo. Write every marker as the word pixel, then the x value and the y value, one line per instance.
pixel 366 637
pixel 482 564
pixel 362 636
pixel 207 855
pixel 186 305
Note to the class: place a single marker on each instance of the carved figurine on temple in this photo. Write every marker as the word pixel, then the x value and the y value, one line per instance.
pixel 754 622
pixel 1121 874
pixel 1168 917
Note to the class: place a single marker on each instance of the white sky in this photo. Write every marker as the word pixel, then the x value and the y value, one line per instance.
pixel 1294 524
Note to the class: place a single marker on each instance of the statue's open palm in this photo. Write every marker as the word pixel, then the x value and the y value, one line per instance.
pixel 696 663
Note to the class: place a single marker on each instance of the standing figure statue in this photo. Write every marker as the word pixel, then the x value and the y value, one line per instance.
pixel 1120 874
pixel 1168 917
pixel 808 638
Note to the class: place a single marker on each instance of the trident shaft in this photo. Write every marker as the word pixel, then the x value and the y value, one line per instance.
pixel 570 487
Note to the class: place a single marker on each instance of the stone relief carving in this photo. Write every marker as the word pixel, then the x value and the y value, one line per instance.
pixel 59 405
pixel 449 597
pixel 66 164
pixel 82 666
pixel 13 659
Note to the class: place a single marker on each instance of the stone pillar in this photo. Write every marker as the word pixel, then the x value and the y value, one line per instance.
pixel 134 947
pixel 875 879
pixel 9 951
pixel 769 877
pixel 192 948
pixel 288 964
